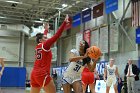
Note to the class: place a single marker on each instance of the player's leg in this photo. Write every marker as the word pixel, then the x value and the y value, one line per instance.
pixel 115 88
pixel 77 86
pixel 114 81
pixel 35 90
pixel 94 84
pixel 35 87
pixel 66 88
pixel 92 89
pixel 66 84
pixel 50 87
pixel 84 83
pixel 84 86
pixel 107 89
pixel 85 79
pixel 108 84
pixel 91 81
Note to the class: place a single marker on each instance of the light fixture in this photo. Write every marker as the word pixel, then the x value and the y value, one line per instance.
pixel 2 17
pixel 59 8
pixel 38 21
pixel 10 1
pixel 41 19
pixel 64 5
pixel 85 9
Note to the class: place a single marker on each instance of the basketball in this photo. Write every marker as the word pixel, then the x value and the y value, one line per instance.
pixel 94 52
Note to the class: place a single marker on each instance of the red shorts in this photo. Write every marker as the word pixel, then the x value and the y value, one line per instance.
pixel 87 77
pixel 40 81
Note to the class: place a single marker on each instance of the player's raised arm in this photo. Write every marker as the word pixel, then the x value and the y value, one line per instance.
pixel 46 27
pixel 48 43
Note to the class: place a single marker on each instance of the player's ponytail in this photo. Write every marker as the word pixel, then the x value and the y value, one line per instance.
pixel 88 59
pixel 38 37
pixel 86 46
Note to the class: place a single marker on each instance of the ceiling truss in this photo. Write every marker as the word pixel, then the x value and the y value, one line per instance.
pixel 28 11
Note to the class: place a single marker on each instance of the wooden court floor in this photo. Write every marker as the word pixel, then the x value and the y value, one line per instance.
pixel 18 90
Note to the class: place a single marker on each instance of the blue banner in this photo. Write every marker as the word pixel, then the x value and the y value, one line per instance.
pixel 76 20
pixel 86 15
pixel 138 35
pixel 57 71
pixel 100 67
pixel 13 77
pixel 111 5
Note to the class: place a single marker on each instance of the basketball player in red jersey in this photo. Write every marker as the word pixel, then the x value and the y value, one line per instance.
pixel 87 74
pixel 40 76
pixel 2 64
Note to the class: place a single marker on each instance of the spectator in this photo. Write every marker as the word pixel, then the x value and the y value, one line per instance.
pixel 131 72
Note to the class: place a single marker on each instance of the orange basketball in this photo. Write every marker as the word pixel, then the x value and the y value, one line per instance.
pixel 94 52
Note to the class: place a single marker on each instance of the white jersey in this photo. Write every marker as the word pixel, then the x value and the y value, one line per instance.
pixel 73 71
pixel 74 68
pixel 111 71
pixel 111 77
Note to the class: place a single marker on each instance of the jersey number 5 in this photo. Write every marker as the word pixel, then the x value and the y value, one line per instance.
pixel 38 54
pixel 77 68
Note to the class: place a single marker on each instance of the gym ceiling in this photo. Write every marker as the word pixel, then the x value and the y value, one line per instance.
pixel 29 12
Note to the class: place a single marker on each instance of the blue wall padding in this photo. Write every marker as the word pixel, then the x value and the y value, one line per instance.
pixel 13 77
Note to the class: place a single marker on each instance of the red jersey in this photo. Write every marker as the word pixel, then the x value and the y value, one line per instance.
pixel 43 60
pixel 43 54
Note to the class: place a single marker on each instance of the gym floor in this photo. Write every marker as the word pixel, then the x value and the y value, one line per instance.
pixel 19 90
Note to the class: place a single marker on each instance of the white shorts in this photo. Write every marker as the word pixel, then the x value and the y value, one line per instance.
pixel 110 81
pixel 70 79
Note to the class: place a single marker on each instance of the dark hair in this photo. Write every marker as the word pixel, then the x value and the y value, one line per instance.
pixel 86 46
pixel 86 60
pixel 38 37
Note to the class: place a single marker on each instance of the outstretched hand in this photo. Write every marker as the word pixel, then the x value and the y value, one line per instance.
pixel 46 26
pixel 67 19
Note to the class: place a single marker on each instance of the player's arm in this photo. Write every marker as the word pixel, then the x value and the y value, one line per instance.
pixel 48 43
pixel 75 59
pixel 96 73
pixel 105 73
pixel 2 64
pixel 117 74
pixel 46 27
pixel 92 66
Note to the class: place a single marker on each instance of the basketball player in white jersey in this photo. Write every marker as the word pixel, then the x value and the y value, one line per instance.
pixel 72 74
pixel 110 76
